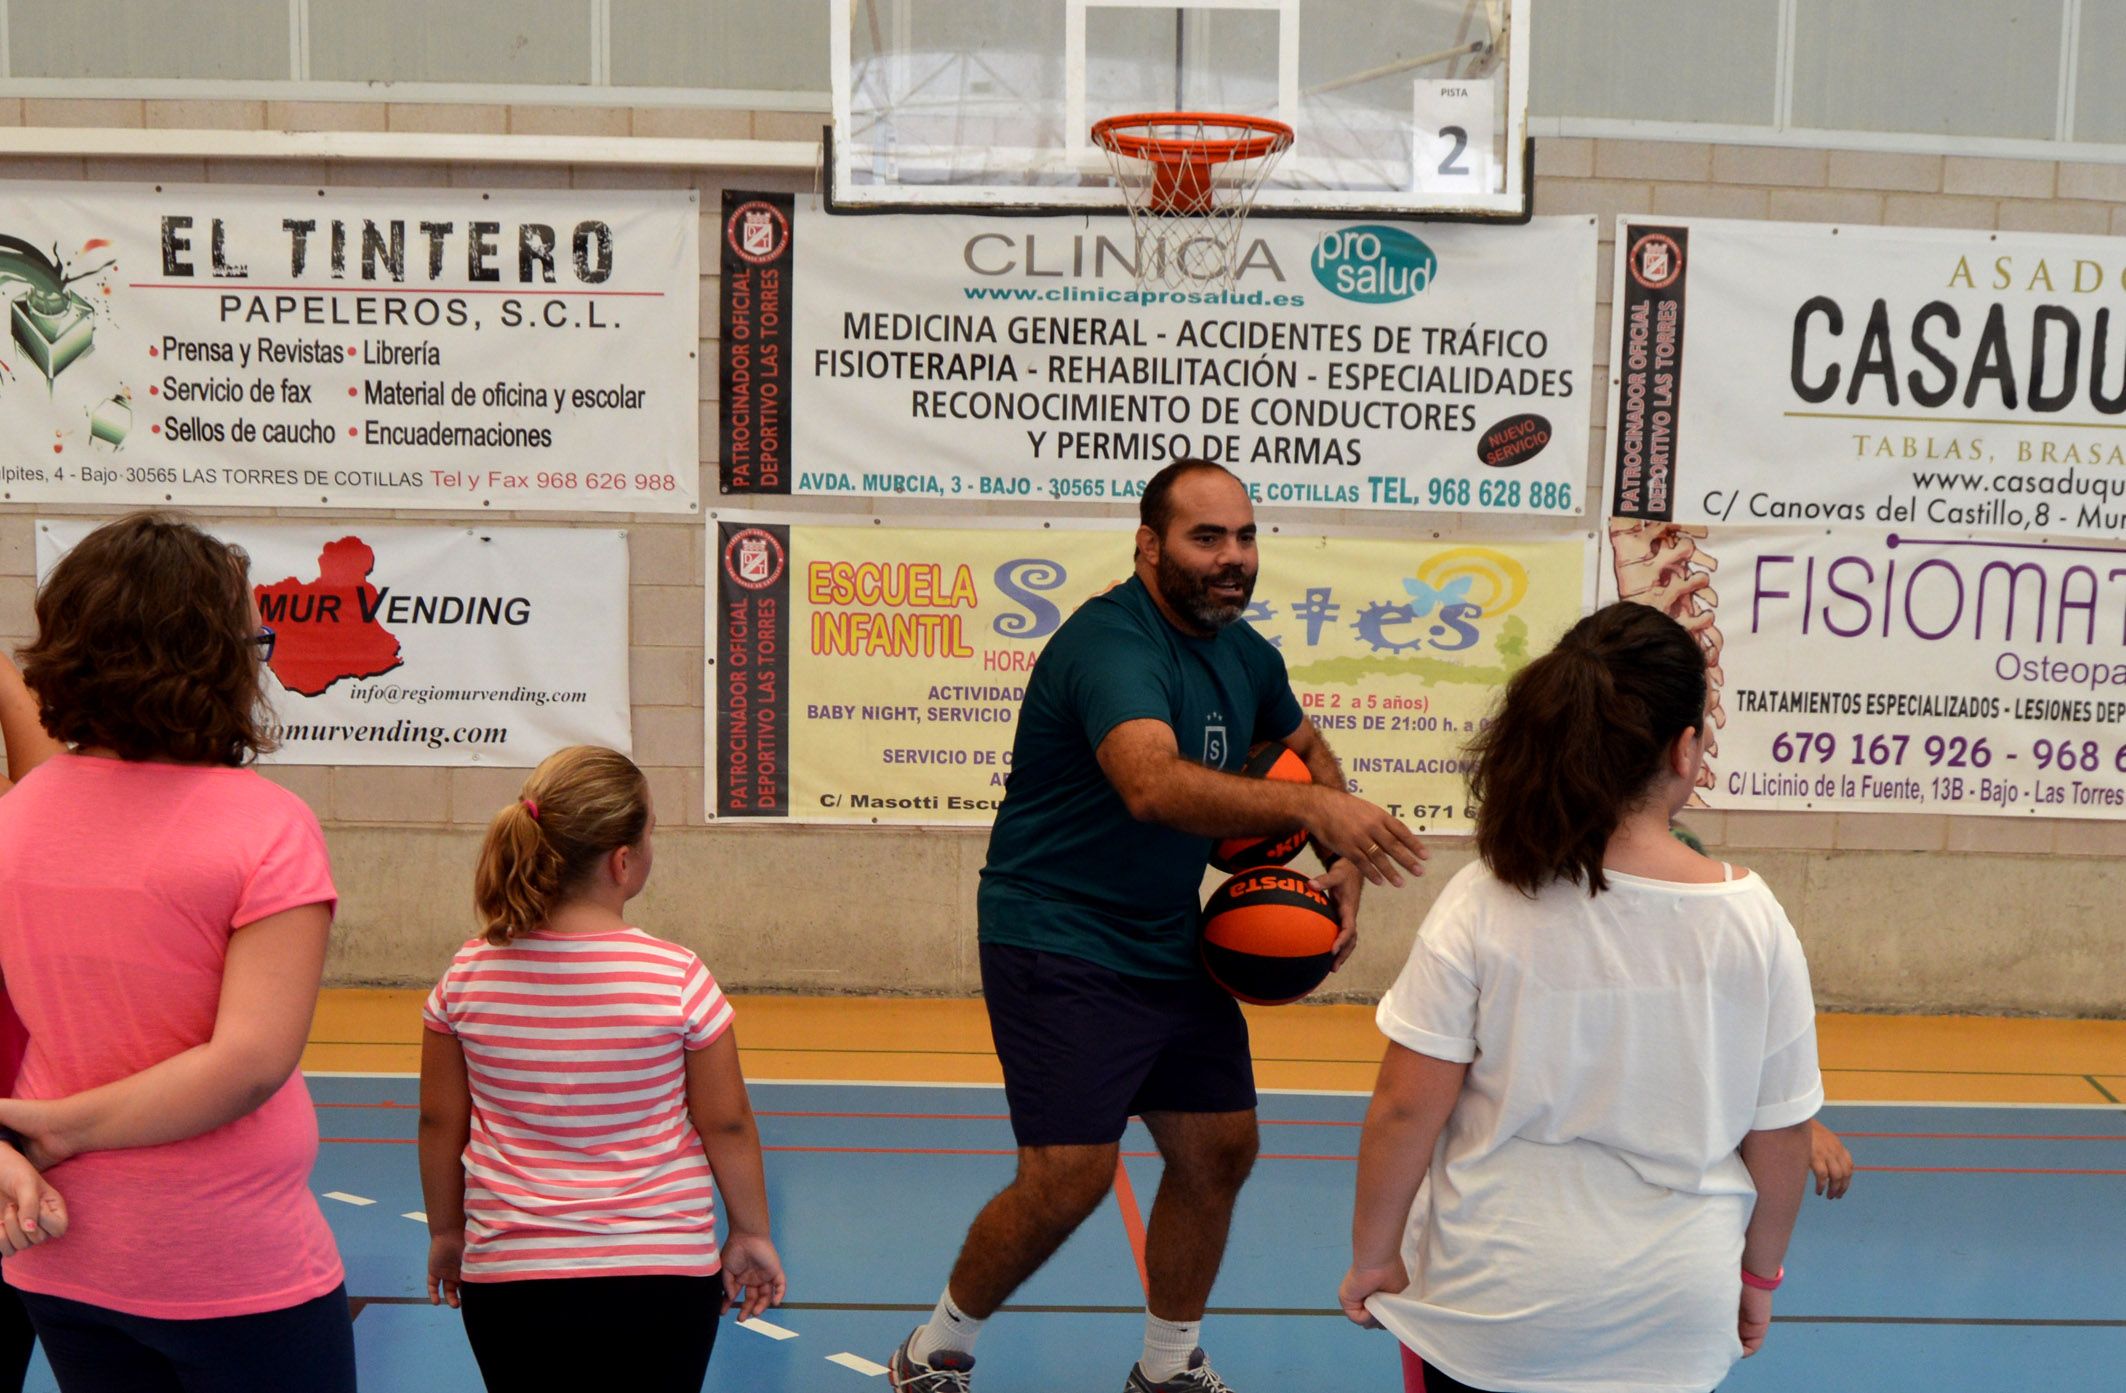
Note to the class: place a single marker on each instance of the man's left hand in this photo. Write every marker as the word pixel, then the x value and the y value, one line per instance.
pixel 1343 883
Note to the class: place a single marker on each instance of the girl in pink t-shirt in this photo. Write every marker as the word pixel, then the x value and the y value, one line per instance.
pixel 28 745
pixel 580 1094
pixel 163 921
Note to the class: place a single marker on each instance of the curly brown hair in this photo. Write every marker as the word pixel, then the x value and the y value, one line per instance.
pixel 146 646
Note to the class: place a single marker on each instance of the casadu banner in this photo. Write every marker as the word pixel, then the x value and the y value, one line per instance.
pixel 873 674
pixel 1894 378
pixel 224 345
pixel 431 645
pixel 1405 367
pixel 1919 671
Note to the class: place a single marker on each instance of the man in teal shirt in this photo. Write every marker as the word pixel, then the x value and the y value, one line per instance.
pixel 1137 711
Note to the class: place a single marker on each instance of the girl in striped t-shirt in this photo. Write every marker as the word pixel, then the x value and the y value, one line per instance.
pixel 579 1088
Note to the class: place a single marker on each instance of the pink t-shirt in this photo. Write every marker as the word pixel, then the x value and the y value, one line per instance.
pixel 582 1160
pixel 120 886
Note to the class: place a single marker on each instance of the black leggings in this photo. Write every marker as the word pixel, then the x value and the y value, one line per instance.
pixel 562 1332
pixel 17 1339
pixel 301 1349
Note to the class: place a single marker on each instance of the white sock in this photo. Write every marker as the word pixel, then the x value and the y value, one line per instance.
pixel 949 1328
pixel 1167 1346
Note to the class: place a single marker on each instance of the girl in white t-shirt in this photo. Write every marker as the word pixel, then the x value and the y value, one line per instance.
pixel 1589 1138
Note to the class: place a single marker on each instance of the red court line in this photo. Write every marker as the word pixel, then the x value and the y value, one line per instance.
pixel 1984 1170
pixel 1992 1136
pixel 1266 1156
pixel 1132 1222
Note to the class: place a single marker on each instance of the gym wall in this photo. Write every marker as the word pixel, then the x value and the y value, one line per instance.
pixel 1899 912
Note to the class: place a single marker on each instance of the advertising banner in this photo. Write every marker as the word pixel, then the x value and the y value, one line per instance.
pixel 1896 378
pixel 873 674
pixel 228 345
pixel 1410 368
pixel 431 645
pixel 1876 671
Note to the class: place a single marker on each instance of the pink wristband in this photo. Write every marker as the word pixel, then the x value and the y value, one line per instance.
pixel 1751 1279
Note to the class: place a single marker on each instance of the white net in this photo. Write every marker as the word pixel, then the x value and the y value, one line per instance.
pixel 1189 182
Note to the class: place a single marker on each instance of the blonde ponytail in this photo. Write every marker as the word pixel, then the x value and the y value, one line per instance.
pixel 578 807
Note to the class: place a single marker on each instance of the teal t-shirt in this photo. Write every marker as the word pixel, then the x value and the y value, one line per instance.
pixel 1069 870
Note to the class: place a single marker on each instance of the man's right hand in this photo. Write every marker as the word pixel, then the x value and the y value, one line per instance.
pixel 1366 835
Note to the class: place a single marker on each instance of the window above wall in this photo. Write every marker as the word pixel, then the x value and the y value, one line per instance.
pixel 750 53
pixel 1946 76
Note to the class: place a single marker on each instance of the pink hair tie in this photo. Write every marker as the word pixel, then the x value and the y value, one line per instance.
pixel 530 807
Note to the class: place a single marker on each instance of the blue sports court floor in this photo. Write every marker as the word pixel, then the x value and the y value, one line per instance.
pixel 1980 1249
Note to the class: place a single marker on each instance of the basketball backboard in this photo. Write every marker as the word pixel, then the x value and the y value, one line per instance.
pixel 1410 108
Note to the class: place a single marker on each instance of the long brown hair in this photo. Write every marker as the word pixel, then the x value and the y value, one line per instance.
pixel 145 646
pixel 579 806
pixel 1579 740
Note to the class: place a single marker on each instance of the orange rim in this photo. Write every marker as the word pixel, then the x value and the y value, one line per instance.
pixel 1137 137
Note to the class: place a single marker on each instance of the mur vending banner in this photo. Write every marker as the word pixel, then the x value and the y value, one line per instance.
pixel 873 674
pixel 1405 368
pixel 431 645
pixel 231 345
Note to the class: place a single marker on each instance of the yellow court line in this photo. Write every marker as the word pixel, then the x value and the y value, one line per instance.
pixel 1949 1059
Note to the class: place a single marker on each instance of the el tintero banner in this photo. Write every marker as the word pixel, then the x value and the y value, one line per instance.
pixel 233 345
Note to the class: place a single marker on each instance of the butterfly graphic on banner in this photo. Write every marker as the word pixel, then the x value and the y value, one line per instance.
pixel 1423 596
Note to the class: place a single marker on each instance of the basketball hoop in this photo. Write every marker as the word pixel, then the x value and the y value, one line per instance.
pixel 1189 179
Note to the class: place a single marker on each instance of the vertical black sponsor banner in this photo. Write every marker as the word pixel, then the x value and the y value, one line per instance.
pixel 751 761
pixel 1649 370
pixel 754 409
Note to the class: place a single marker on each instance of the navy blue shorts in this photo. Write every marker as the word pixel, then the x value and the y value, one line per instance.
pixel 1084 1046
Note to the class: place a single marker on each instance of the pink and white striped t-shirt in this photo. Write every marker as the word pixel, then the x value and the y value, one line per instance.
pixel 582 1160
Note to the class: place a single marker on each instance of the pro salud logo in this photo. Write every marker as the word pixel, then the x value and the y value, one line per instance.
pixel 1373 264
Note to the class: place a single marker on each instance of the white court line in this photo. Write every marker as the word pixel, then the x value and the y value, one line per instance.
pixel 858 1363
pixel 767 1328
pixel 344 1198
pixel 416 1215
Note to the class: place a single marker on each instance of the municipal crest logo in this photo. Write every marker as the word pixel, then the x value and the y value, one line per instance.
pixel 1656 261
pixel 758 232
pixel 753 559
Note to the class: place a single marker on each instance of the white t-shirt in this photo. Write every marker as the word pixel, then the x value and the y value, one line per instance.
pixel 1580 1229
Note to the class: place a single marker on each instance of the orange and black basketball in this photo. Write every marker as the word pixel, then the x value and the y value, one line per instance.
pixel 1266 761
pixel 1268 936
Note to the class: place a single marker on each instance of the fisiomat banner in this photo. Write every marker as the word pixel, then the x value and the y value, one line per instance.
pixel 1403 367
pixel 862 673
pixel 398 644
pixel 1865 670
pixel 1892 378
pixel 244 346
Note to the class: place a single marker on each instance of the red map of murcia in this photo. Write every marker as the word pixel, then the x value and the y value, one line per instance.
pixel 326 629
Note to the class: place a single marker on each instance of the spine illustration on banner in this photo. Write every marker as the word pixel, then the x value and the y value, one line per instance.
pixel 1665 565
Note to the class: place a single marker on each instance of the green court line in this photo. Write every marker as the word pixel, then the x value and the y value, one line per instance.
pixel 2109 1097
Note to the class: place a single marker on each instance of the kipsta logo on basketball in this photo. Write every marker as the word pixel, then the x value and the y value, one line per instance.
pixel 758 232
pixel 753 559
pixel 1656 261
pixel 1373 265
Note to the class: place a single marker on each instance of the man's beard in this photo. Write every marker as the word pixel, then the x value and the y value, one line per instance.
pixel 1190 596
